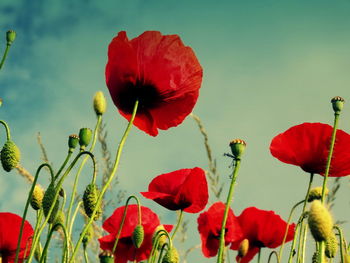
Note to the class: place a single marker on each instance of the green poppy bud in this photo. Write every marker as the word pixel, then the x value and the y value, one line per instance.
pixel 316 194
pixel 10 37
pixel 320 221
pixel 331 246
pixel 171 256
pixel 237 147
pixel 243 248
pixel 90 199
pixel 138 236
pixel 73 141
pixel 85 135
pixel 99 103
pixel 337 104
pixel 106 257
pixel 88 236
pixel 10 156
pixel 48 201
pixel 37 197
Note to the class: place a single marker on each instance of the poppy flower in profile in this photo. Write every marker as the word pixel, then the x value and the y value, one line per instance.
pixel 307 145
pixel 262 229
pixel 10 225
pixel 209 227
pixel 125 249
pixel 184 189
pixel 160 71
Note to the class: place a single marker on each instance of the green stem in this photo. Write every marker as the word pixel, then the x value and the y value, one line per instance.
pixel 5 55
pixel 228 201
pixel 104 189
pixel 292 248
pixel 162 250
pixel 155 243
pixel 86 256
pixel 259 255
pixel 58 187
pixel 27 205
pixel 321 249
pixel 304 243
pixel 99 119
pixel 270 256
pixel 179 221
pixel 331 148
pixel 63 165
pixel 43 255
pixel 123 219
pixel 340 232
pixel 74 216
pixel 287 228
pixel 8 134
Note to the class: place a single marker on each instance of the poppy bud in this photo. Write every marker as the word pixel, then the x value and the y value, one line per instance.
pixel 316 194
pixel 171 256
pixel 10 156
pixel 161 238
pixel 99 103
pixel 88 236
pixel 37 197
pixel 138 236
pixel 243 248
pixel 89 199
pixel 48 202
pixel 237 147
pixel 10 37
pixel 337 104
pixel 106 257
pixel 346 258
pixel 60 218
pixel 85 135
pixel 73 141
pixel 331 246
pixel 320 221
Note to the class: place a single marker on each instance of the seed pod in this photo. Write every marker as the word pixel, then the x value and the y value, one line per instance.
pixel 243 248
pixel 48 202
pixel 138 236
pixel 171 256
pixel 10 37
pixel 106 257
pixel 73 141
pixel 320 221
pixel 10 156
pixel 37 197
pixel 99 103
pixel 85 135
pixel 90 199
pixel 316 194
pixel 331 246
pixel 337 104
pixel 237 147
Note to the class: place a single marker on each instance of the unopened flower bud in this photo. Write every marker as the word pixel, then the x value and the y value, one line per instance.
pixel 10 37
pixel 90 199
pixel 337 104
pixel 99 103
pixel 243 248
pixel 10 156
pixel 138 236
pixel 73 141
pixel 106 257
pixel 171 256
pixel 320 221
pixel 88 236
pixel 37 197
pixel 48 202
pixel 237 147
pixel 316 194
pixel 85 135
pixel 331 246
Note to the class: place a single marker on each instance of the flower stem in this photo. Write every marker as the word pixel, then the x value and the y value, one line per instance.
pixel 259 255
pixel 179 221
pixel 155 243
pixel 5 55
pixel 292 248
pixel 27 205
pixel 8 134
pixel 228 201
pixel 331 148
pixel 104 189
pixel 270 256
pixel 86 256
pixel 63 165
pixel 340 232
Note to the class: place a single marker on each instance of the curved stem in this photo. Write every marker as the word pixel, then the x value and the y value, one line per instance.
pixel 8 134
pixel 331 147
pixel 161 252
pixel 5 55
pixel 27 205
pixel 179 221
pixel 270 256
pixel 104 189
pixel 59 185
pixel 228 201
pixel 340 232
pixel 63 165
pixel 158 235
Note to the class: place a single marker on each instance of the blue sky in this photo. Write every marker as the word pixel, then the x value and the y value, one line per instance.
pixel 268 65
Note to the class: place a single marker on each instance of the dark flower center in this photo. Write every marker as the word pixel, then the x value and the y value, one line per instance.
pixel 258 243
pixel 147 94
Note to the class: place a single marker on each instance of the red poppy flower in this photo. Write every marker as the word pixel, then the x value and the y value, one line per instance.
pixel 184 189
pixel 159 71
pixel 262 229
pixel 125 249
pixel 209 227
pixel 307 145
pixel 10 225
